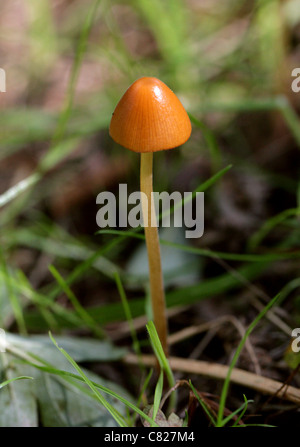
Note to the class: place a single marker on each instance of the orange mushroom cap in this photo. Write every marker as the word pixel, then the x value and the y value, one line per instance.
pixel 149 117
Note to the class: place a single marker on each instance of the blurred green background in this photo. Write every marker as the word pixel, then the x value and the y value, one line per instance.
pixel 67 64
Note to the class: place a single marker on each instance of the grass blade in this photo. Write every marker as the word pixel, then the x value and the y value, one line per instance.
pixel 236 356
pixel 3 384
pixel 115 414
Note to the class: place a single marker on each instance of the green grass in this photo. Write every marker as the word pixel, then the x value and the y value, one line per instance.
pixel 220 420
pixel 7 382
pixel 228 66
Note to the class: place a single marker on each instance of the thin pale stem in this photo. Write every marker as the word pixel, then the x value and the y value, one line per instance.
pixel 152 242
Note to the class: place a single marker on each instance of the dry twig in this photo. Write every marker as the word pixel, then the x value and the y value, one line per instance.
pixel 238 376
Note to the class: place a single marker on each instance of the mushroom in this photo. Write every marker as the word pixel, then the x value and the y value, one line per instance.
pixel 149 118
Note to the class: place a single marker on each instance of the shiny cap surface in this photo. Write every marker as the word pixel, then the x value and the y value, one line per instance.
pixel 149 117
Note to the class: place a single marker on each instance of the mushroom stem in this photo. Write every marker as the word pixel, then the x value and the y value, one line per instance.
pixel 153 249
